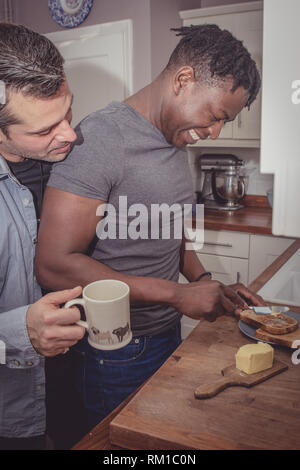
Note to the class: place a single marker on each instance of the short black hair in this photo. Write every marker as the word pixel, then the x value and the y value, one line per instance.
pixel 214 55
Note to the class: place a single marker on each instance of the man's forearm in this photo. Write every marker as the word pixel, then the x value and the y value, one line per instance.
pixel 65 236
pixel 194 299
pixel 80 269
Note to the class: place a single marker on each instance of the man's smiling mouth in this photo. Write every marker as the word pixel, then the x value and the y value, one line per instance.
pixel 194 135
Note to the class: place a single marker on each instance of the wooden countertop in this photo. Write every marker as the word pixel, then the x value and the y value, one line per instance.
pixel 255 217
pixel 215 341
pixel 165 415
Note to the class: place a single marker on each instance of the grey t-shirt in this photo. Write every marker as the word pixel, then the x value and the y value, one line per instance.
pixel 120 153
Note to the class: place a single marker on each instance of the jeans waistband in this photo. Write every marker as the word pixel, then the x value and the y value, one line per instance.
pixel 165 332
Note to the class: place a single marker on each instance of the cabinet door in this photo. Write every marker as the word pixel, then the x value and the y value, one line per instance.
pixel 225 269
pixel 263 251
pixel 226 243
pixel 248 27
pixel 281 112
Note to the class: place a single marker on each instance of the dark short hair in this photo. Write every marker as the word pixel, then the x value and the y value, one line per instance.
pixel 29 63
pixel 215 54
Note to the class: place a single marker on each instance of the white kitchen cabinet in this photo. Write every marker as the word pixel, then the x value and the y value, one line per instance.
pixel 226 269
pixel 238 256
pixel 225 254
pixel 280 140
pixel 244 21
pixel 225 243
pixel 263 251
pixel 249 28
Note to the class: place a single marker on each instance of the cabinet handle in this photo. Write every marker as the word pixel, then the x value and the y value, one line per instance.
pixel 225 245
pixel 238 277
pixel 240 120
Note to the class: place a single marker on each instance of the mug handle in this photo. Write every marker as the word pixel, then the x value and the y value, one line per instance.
pixel 80 302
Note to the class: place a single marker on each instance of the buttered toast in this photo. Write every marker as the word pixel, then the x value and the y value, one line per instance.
pixel 278 324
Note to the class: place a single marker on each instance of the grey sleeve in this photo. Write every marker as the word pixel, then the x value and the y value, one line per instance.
pixel 95 162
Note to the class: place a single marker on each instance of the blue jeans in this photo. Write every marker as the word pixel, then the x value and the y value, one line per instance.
pixel 108 377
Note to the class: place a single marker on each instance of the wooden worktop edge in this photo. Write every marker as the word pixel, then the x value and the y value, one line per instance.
pixel 238 227
pixel 257 201
pixel 266 275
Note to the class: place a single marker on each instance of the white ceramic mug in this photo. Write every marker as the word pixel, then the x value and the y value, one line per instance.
pixel 107 311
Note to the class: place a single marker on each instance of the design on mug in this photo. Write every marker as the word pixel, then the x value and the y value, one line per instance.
pixel 121 332
pixel 101 336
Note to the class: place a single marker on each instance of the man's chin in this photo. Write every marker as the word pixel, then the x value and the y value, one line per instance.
pixel 180 146
pixel 56 158
pixel 57 155
pixel 50 158
pixel 178 143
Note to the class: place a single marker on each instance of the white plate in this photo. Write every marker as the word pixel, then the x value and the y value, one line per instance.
pixel 69 13
pixel 250 331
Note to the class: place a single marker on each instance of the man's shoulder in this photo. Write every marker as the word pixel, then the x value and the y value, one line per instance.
pixel 103 120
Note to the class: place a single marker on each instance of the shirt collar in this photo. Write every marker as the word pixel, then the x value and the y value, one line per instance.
pixel 5 171
pixel 4 168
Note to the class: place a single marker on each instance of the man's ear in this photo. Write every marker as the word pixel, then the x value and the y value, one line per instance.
pixel 2 136
pixel 184 77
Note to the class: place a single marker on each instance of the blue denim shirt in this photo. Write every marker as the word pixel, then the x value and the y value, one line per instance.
pixel 22 378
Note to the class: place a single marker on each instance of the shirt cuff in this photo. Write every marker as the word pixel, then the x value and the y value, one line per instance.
pixel 16 350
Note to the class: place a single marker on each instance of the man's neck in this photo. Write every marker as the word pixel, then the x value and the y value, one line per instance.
pixel 147 102
pixel 12 158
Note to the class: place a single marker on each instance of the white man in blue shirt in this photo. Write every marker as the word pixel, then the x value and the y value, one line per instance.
pixel 35 131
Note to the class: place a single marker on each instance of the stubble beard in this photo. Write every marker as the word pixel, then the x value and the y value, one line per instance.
pixel 13 152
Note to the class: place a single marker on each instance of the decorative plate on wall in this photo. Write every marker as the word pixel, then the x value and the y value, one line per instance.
pixel 69 13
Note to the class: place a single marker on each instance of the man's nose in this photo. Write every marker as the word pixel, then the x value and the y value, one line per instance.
pixel 215 129
pixel 65 132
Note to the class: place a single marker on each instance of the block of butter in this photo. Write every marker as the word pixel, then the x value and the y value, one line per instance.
pixel 253 358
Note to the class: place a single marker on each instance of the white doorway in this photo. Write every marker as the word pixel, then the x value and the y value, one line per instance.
pixel 98 64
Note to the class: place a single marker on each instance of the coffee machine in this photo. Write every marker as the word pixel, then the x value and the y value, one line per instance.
pixel 221 182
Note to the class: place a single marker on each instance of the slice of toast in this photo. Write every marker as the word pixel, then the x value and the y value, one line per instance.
pixel 278 324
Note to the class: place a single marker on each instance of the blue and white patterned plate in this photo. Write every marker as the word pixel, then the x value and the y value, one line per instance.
pixel 69 13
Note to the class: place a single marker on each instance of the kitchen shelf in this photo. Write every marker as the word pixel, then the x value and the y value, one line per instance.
pixel 245 143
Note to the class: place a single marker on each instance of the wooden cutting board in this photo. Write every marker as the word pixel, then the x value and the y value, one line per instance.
pixel 283 340
pixel 231 376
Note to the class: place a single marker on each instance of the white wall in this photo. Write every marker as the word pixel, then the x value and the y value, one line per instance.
pixel 165 15
pixel 35 15
pixel 152 20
